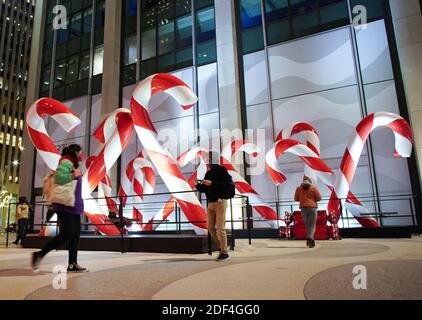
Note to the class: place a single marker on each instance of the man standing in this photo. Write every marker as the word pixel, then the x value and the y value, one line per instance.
pixel 21 218
pixel 216 181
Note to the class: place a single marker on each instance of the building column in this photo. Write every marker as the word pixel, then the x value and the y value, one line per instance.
pixel 228 65
pixel 407 21
pixel 111 61
pixel 28 154
pixel 111 66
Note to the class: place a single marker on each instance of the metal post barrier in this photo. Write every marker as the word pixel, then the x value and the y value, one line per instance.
pixel 121 225
pixel 412 212
pixel 8 225
pixel 278 220
pixel 232 225
pixel 249 219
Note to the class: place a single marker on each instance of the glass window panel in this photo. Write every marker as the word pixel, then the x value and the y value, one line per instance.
pixel 75 26
pixel 98 60
pixel 148 68
pixel 60 74
pixel 62 36
pixel 165 11
pixel 100 15
pixel 84 67
pixel 183 7
pixel 49 37
pixel 166 63
pixel 87 28
pixel 206 52
pixel 148 43
pixel 333 15
pixel 305 24
pixel 45 86
pixel 184 32
pixel 76 5
pixel 72 69
pixel 250 13
pixel 131 8
pixel 279 31
pixel 184 56
pixel 205 25
pixel 302 6
pixel 252 40
pixel 166 38
pixel 130 54
pixel 148 16
pixel 204 3
pixel 276 9
pixel 375 8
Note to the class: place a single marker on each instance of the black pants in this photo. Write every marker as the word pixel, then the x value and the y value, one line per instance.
pixel 70 232
pixel 22 229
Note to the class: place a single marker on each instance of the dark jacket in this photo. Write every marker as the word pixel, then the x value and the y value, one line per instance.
pixel 219 176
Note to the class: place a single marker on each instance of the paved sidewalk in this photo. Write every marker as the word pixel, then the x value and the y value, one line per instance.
pixel 268 270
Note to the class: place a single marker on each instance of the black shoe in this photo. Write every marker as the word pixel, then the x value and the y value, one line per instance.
pixel 312 245
pixel 308 243
pixel 223 257
pixel 15 243
pixel 35 261
pixel 75 268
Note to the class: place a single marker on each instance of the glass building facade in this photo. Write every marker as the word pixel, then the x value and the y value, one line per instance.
pixel 294 61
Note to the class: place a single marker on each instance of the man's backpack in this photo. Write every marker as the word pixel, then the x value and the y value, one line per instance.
pixel 229 191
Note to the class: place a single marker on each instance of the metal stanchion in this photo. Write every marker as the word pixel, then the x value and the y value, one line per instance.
pixel 232 225
pixel 121 224
pixel 8 225
pixel 249 223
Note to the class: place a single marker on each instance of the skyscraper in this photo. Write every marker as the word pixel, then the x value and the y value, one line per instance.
pixel 16 23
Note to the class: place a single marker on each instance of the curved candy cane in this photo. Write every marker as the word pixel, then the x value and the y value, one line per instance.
pixel 403 148
pixel 302 151
pixel 114 133
pixel 38 133
pixel 313 142
pixel 163 161
pixel 143 183
pixel 105 188
pixel 242 186
pixel 42 142
pixel 200 172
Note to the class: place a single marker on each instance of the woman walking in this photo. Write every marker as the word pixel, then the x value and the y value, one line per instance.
pixel 69 218
pixel 308 196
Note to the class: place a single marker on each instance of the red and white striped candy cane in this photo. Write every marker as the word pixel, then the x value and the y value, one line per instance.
pixel 38 133
pixel 242 186
pixel 302 151
pixel 105 189
pixel 143 183
pixel 42 142
pixel 313 142
pixel 114 133
pixel 199 173
pixel 403 148
pixel 165 164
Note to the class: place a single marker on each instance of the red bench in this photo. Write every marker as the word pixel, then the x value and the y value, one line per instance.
pixel 299 229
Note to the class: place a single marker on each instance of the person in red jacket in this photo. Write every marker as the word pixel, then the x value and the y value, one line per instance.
pixel 308 196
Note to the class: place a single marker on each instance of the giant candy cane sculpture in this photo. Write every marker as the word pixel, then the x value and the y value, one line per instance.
pixel 242 186
pixel 114 133
pixel 42 142
pixel 163 161
pixel 403 148
pixel 313 142
pixel 199 173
